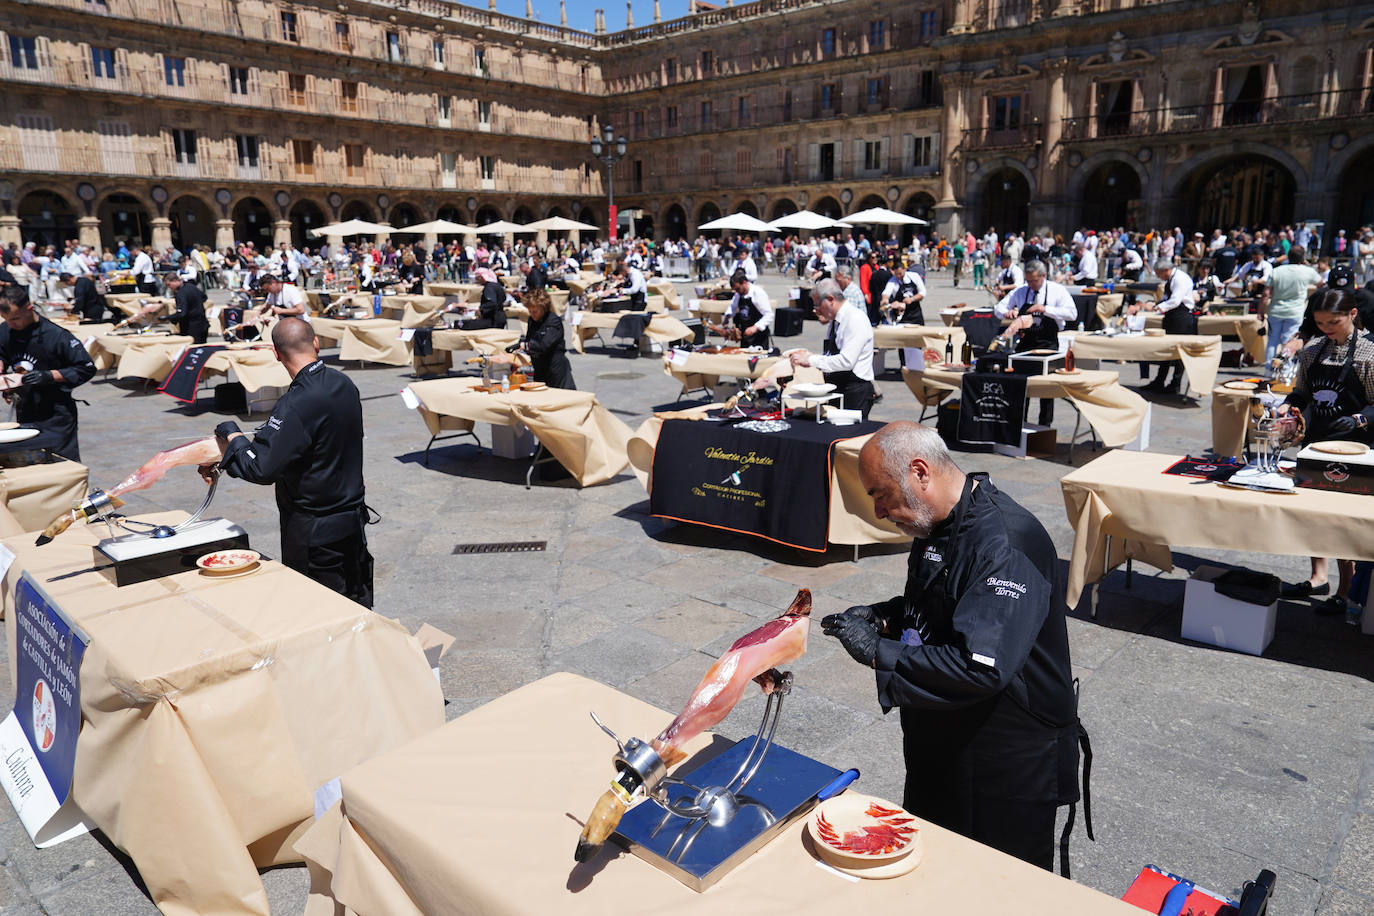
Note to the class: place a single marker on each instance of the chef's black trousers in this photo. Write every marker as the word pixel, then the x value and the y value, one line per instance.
pixel 345 566
pixel 1024 829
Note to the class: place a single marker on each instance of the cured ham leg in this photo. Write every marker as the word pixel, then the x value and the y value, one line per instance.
pixel 201 451
pixel 754 657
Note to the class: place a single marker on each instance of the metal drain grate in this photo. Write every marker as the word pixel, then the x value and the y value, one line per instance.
pixel 500 547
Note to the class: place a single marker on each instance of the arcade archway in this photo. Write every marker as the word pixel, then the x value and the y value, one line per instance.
pixel 356 209
pixel 122 216
pixel 675 222
pixel 193 223
pixel 305 215
pixel 1111 197
pixel 781 207
pixel 707 213
pixel 828 206
pixel 1356 184
pixel 403 215
pixel 1005 202
pixel 252 223
pixel 1248 190
pixel 45 218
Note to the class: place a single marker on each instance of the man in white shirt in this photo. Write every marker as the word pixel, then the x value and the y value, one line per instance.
pixel 1086 273
pixel 847 354
pixel 1177 310
pixel 1253 276
pixel 1009 277
pixel 633 284
pixel 745 262
pixel 143 272
pixel 904 293
pixel 1039 309
pixel 750 313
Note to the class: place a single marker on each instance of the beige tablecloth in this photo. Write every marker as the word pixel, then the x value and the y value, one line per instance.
pixel 704 370
pixel 710 311
pixel 132 303
pixel 148 356
pixel 426 829
pixel 255 367
pixel 470 292
pixel 1115 412
pixel 1248 329
pixel 663 329
pixel 899 336
pixel 39 493
pixel 213 710
pixel 1127 495
pixel 666 289
pixel 587 439
pixel 1201 354
pixel 1230 420
pixel 370 340
pixel 851 510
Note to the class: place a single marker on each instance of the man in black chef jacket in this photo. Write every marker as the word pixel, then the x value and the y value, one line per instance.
pixel 975 653
pixel 53 362
pixel 311 448
pixel 190 317
pixel 86 299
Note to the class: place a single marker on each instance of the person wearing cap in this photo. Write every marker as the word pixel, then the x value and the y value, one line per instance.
pixel 1196 249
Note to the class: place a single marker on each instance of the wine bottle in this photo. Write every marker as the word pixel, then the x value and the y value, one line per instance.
pixel 1068 357
pixel 966 354
pixel 949 350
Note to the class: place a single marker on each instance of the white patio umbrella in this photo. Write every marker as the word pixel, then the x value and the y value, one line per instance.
pixel 351 227
pixel 439 227
pixel 501 227
pixel 738 222
pixel 808 220
pixel 559 224
pixel 882 216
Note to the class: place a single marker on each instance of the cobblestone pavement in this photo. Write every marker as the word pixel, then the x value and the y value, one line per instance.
pixel 1207 762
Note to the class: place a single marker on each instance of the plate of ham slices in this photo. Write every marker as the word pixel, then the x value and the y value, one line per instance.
pixel 854 831
pixel 229 562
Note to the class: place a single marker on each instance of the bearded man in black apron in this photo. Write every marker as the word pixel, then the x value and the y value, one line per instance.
pixel 847 354
pixel 1334 392
pixel 1039 310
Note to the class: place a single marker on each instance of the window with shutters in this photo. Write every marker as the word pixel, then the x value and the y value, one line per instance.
pixel 670 167
pixel 1006 112
pixel 393 47
pixel 295 89
pixel 708 63
pixel 116 147
pixel 348 96
pixel 921 149
pixel 445 110
pixel 670 70
pixel 438 48
pixel 102 63
pixel 303 152
pixel 744 165
pixel 174 71
pixel 479 62
pixel 343 40
pixel 706 166
pixel 353 160
pixel 37 142
pixel 246 148
pixel 930 24
pixel 238 80
pixel 638 121
pixel 288 27
pixel 484 115
pixel 828 98
pixel 828 43
pixel 670 116
pixel 927 90
pixel 877 35
pixel 487 164
pixel 99 5
pixel 873 156
pixel 448 171
pixel 742 111
pixel 184 145
pixel 827 162
pixel 705 114
pixel 874 92
pixel 23 52
pixel 637 176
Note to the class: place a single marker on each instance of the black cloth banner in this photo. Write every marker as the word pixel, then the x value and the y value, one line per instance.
pixel 632 325
pixel 182 382
pixel 991 408
pixel 770 485
pixel 423 342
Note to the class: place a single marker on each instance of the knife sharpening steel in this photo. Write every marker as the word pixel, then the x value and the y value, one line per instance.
pixel 700 830
pixel 150 551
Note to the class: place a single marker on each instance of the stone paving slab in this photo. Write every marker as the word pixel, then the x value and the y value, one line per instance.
pixel 1207 762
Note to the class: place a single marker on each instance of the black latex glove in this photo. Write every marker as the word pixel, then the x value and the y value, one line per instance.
pixel 36 377
pixel 869 613
pixel 1340 426
pixel 858 636
pixel 226 429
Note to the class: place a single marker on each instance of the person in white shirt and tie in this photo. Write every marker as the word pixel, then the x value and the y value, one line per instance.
pixel 847 353
pixel 1038 310
pixel 1177 310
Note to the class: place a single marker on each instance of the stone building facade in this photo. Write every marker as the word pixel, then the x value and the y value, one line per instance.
pixel 218 120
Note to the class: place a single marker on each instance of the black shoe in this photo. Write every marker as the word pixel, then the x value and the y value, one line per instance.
pixel 1303 589
pixel 1156 385
pixel 1330 607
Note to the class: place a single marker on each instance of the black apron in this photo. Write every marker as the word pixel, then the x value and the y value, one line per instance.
pixel 747 314
pixel 857 392
pixel 1336 392
pixel 330 549
pixel 912 315
pixel 1043 334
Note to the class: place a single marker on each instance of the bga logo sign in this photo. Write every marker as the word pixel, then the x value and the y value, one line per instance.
pixel 44 717
pixel 1336 473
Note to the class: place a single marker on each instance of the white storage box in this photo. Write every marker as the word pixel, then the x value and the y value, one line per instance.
pixel 1217 620
pixel 1036 442
pixel 512 441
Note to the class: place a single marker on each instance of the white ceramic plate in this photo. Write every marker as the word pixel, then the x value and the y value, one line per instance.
pixel 16 435
pixel 228 561
pixel 811 389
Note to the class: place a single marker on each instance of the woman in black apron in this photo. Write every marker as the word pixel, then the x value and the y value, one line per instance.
pixel 544 342
pixel 1333 393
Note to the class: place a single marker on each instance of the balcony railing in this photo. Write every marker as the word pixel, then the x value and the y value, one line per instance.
pixel 986 138
pixel 1284 109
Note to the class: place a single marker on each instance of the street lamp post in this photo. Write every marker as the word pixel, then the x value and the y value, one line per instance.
pixel 610 150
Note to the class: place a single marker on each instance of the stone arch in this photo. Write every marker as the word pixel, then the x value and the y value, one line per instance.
pixel 748 207
pixel 306 215
pixel 828 206
pixel 783 206
pixel 1246 184
pixel 1107 190
pixel 708 212
pixel 124 216
pixel 193 222
pixel 870 202
pixel 453 213
pixel 1078 178
pixel 522 215
pixel 675 222
pixel 922 206
pixel 555 212
pixel 977 200
pixel 1180 174
pixel 486 213
pixel 46 217
pixel 1353 178
pixel 356 209
pixel 252 223
pixel 405 213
